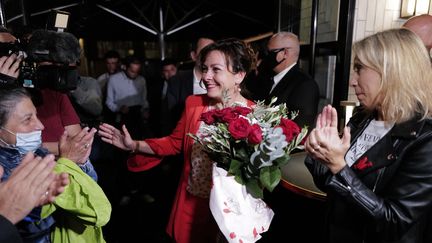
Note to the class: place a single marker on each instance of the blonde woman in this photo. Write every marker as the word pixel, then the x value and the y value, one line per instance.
pixel 378 176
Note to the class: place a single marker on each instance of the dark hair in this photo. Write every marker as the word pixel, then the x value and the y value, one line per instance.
pixel 132 59
pixel 168 61
pixel 9 98
pixel 111 54
pixel 238 56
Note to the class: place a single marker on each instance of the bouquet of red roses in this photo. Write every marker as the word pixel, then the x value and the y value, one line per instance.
pixel 251 143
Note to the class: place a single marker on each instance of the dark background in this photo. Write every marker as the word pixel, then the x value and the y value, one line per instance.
pixel 229 18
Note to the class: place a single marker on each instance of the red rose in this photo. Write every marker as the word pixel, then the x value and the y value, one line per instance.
pixel 239 128
pixel 219 113
pixel 255 134
pixel 228 115
pixel 240 110
pixel 208 117
pixel 290 129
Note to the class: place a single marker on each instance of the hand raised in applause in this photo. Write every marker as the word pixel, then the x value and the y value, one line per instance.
pixel 78 147
pixel 31 184
pixel 324 143
pixel 121 139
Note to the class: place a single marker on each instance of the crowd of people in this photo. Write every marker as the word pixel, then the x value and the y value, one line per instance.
pixel 376 173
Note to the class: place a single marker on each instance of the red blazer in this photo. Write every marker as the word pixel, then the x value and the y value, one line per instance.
pixel 188 211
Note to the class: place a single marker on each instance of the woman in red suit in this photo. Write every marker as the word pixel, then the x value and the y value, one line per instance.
pixel 224 65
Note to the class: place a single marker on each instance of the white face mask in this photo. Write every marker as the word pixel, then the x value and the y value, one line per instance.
pixel 27 142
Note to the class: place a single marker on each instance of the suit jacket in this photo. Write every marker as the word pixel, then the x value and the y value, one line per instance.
pixel 300 93
pixel 180 86
pixel 385 196
pixel 188 212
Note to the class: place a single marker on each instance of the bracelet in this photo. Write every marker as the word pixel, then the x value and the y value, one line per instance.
pixel 136 147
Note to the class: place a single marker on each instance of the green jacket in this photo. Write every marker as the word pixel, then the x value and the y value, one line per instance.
pixel 81 210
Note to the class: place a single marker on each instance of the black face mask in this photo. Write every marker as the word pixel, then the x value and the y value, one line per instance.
pixel 60 78
pixel 269 61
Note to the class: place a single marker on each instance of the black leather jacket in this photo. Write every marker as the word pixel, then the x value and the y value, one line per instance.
pixel 387 197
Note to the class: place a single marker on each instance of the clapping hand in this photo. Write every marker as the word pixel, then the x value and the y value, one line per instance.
pixel 324 143
pixel 31 184
pixel 114 136
pixel 78 147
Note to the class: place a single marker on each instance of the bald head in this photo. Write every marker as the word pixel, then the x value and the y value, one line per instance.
pixel 289 54
pixel 422 26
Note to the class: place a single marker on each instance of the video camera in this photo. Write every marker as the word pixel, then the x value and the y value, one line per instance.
pixel 47 60
pixel 57 75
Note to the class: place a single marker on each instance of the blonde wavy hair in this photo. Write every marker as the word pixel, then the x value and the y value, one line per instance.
pixel 403 62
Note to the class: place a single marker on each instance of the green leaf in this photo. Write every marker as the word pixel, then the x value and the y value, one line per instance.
pixel 282 160
pixel 253 188
pixel 270 177
pixel 235 167
pixel 239 179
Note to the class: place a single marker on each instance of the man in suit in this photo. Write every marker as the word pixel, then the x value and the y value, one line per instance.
pixel 157 88
pixel 183 84
pixel 290 85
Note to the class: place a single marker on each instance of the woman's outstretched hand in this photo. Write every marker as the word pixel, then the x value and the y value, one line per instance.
pixel 324 143
pixel 120 139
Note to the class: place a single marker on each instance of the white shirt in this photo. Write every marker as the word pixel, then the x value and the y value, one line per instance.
pixel 197 89
pixel 123 91
pixel 370 136
pixel 278 77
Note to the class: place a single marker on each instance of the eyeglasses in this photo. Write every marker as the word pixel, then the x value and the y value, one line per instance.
pixel 277 50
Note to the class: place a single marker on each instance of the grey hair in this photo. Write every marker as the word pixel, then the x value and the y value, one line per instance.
pixel 9 98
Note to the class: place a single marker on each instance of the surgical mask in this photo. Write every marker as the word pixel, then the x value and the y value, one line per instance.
pixel 27 142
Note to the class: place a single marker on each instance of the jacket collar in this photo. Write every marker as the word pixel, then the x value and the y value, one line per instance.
pixel 386 150
pixel 285 85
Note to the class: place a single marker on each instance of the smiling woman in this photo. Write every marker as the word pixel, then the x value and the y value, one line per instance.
pixel 225 64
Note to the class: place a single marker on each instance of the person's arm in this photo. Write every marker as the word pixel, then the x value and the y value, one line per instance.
pixel 110 96
pixel 144 102
pixel 122 139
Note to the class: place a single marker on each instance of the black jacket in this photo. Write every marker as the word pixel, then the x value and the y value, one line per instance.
pixel 180 86
pixel 300 93
pixel 390 200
